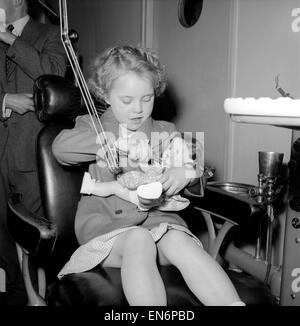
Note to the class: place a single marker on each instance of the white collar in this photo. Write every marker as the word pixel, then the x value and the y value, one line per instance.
pixel 19 25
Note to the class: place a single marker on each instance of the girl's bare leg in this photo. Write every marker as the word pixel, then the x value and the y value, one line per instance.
pixel 203 275
pixel 135 252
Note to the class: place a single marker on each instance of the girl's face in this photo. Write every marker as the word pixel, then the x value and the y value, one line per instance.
pixel 131 99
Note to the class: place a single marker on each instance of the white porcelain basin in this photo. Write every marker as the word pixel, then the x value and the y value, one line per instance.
pixel 282 111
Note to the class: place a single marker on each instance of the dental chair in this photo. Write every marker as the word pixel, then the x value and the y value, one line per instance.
pixel 45 243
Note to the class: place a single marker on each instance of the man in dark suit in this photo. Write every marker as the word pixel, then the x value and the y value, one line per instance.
pixel 28 49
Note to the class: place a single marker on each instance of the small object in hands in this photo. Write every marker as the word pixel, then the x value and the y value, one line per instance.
pixel 132 179
pixel 151 190
pixel 153 173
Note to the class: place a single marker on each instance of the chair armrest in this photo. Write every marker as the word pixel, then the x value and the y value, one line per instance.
pixel 33 233
pixel 228 206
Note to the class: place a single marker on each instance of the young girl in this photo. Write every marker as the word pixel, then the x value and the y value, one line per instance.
pixel 115 232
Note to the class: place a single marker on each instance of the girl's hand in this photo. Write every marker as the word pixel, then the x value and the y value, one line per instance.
pixel 177 178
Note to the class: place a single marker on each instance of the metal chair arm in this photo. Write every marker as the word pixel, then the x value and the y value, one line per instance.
pixel 225 205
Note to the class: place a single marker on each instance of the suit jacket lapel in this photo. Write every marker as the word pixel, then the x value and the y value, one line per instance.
pixel 30 31
pixel 29 34
pixel 10 67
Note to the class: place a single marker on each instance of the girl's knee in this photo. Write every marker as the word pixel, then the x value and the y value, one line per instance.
pixel 174 243
pixel 176 238
pixel 140 240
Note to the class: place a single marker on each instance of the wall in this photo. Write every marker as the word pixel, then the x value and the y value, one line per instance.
pixel 265 46
pixel 197 63
pixel 104 23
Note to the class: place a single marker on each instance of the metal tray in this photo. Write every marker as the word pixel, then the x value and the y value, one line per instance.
pixel 241 189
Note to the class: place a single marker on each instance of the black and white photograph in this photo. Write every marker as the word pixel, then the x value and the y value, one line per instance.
pixel 150 156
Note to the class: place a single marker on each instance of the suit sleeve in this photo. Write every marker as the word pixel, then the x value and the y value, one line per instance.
pixel 51 59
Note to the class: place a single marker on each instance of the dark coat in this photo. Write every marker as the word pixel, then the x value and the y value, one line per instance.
pixel 37 51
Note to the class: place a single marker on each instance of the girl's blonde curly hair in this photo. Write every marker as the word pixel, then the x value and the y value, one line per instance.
pixel 116 61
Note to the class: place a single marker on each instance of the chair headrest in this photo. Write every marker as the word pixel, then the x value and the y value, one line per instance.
pixel 56 98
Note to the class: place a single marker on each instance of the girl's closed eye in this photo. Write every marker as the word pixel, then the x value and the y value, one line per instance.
pixel 126 100
pixel 147 98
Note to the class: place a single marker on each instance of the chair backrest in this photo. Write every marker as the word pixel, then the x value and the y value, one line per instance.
pixel 60 191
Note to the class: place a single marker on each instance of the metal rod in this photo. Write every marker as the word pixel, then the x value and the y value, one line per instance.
pixel 258 244
pixel 110 152
pixel 257 268
pixel 270 211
